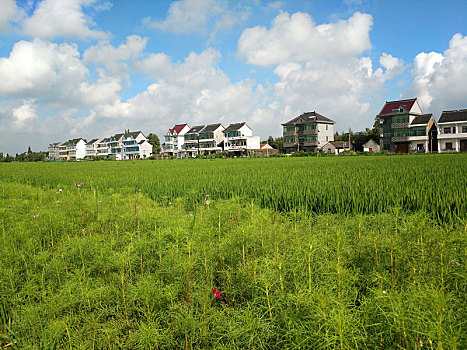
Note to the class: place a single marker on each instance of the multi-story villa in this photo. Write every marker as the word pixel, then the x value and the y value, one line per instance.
pixel 103 147
pixel 91 148
pixel 403 127
pixel 54 153
pixel 452 136
pixel 211 139
pixel 115 146
pixel 308 132
pixel 135 145
pixel 62 152
pixel 239 139
pixel 76 148
pixel 174 141
pixel 191 138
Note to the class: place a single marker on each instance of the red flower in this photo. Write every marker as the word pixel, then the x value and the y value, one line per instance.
pixel 233 219
pixel 217 294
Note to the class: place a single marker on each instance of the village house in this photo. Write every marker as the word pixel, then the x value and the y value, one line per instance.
pixel 336 147
pixel 371 146
pixel 211 139
pixel 239 139
pixel 53 151
pixel 174 141
pixel 76 149
pixel 403 128
pixel 308 132
pixel 191 138
pixel 91 148
pixel 452 136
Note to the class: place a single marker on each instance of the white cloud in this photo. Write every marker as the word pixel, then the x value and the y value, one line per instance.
pixel 53 74
pixel 9 13
pixel 439 79
pixel 104 52
pixel 297 38
pixel 61 18
pixel 156 65
pixel 24 114
pixel 188 16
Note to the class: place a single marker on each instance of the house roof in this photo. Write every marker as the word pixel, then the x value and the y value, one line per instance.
pixel 234 127
pixel 75 141
pixel 266 146
pixel 211 127
pixel 340 144
pixel 390 106
pixel 196 129
pixel 422 119
pixel 371 140
pixel 178 128
pixel 133 134
pixel 92 141
pixel 142 141
pixel 310 116
pixel 453 116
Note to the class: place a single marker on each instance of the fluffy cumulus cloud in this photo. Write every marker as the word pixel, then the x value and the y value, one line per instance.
pixel 194 91
pixel 24 114
pixel 321 67
pixel 297 38
pixel 9 13
pixel 61 18
pixel 439 78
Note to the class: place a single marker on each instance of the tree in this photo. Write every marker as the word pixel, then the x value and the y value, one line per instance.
pixel 153 139
pixel 29 149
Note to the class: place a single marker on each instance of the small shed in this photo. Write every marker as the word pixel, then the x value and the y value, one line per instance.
pixel 265 149
pixel 336 147
pixel 371 146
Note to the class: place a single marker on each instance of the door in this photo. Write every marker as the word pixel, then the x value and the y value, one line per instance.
pixel 463 145
pixel 402 147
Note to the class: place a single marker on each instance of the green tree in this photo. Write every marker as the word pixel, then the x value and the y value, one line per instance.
pixel 153 139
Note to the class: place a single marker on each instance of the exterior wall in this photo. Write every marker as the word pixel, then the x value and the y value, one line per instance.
pixel 455 138
pixel 371 144
pixel 329 148
pixel 253 142
pixel 145 149
pixel 325 133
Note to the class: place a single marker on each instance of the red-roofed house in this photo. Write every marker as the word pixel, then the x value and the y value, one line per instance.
pixel 403 128
pixel 174 141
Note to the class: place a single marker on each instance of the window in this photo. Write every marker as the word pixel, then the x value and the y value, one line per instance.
pixel 400 119
pixel 289 128
pixel 447 130
pixel 400 132
pixel 453 129
pixel 417 131
pixel 448 145
pixel 327 136
pixel 464 129
pixel 326 129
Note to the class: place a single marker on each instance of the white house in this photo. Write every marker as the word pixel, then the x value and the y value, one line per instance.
pixel 174 141
pixel 54 153
pixel 103 147
pixel 91 148
pixel 191 138
pixel 76 148
pixel 211 139
pixel 452 131
pixel 239 139
pixel 336 147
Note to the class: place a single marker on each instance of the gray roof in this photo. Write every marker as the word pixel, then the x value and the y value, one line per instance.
pixel 453 116
pixel 234 126
pixel 422 119
pixel 211 127
pixel 195 129
pixel 310 116
pixel 92 141
pixel 340 144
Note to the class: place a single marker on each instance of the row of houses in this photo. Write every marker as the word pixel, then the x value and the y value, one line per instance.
pixel 183 141
pixel 403 128
pixel 127 145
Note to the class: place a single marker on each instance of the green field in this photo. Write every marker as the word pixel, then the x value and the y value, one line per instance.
pixel 308 253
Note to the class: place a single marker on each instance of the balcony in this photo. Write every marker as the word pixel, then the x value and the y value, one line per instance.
pixel 400 125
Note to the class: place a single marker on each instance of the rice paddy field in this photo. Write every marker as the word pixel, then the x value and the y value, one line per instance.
pixel 283 253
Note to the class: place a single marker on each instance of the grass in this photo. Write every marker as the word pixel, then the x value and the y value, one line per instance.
pixel 129 260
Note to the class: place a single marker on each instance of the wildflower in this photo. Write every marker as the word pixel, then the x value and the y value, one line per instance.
pixel 207 202
pixel 9 206
pixel 60 190
pixel 58 202
pixel 99 201
pixel 217 293
pixel 35 216
pixel 21 171
pixel 233 219
pixel 170 203
pixel 420 342
pixel 206 195
pixel 80 184
pixel 384 292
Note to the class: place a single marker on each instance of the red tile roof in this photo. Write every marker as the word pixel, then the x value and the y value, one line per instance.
pixel 178 128
pixel 392 105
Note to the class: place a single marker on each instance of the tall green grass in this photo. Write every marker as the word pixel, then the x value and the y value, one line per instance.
pixel 129 262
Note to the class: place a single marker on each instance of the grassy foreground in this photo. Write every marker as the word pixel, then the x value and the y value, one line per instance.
pixel 129 259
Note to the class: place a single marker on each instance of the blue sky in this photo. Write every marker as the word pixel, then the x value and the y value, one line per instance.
pixel 91 68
